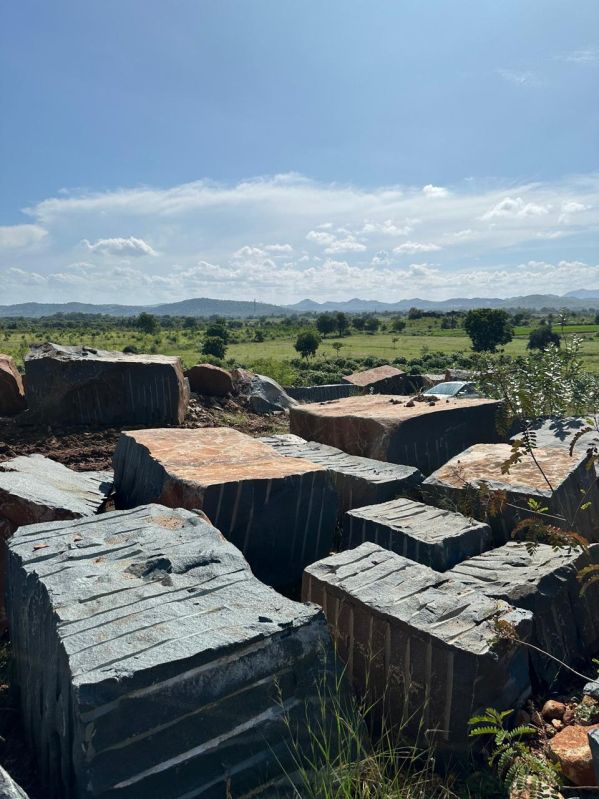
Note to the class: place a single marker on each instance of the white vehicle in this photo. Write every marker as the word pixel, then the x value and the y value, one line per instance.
pixel 458 389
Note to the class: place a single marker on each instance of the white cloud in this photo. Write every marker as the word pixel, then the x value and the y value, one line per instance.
pixel 434 191
pixel 348 244
pixel 387 228
pixel 120 246
pixel 279 249
pixel 17 236
pixel 516 207
pixel 413 247
pixel 519 78
pixel 588 56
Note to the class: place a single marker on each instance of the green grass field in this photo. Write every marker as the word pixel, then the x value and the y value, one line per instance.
pixel 388 346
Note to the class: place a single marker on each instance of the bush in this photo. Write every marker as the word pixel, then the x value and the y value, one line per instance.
pixel 214 346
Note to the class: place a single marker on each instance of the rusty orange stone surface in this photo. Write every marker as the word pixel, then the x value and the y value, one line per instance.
pixel 571 749
pixel 370 376
pixel 214 455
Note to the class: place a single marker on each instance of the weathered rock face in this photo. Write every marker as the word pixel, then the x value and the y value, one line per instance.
pixel 359 481
pixel 324 393
pixel 37 489
pixel 380 380
pixel 427 535
pixel 424 646
pixel 264 395
pixel 594 744
pixel 12 393
pixel 81 385
pixel 210 381
pixel 570 748
pixel 9 788
pixel 565 622
pixel 279 511
pixel 387 429
pixel 459 483
pixel 154 663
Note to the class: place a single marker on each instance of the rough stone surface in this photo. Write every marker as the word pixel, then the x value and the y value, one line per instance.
pixel 81 385
pixel 558 432
pixel 570 748
pixel 153 659
pixel 37 489
pixel 594 744
pixel 264 395
pixel 209 380
pixel 12 393
pixel 427 647
pixel 359 481
pixel 419 434
pixel 279 511
pixel 380 380
pixel 592 689
pixel 431 536
pixel 565 623
pixel 458 483
pixel 9 788
pixel 324 393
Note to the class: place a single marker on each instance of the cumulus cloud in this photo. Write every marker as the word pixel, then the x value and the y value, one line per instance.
pixel 120 246
pixel 16 236
pixel 434 191
pixel 516 207
pixel 413 247
pixel 387 228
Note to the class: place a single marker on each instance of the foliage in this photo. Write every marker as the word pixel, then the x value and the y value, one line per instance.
pixel 542 337
pixel 214 346
pixel 326 323
pixel 398 325
pixel 218 330
pixel 147 323
pixel 307 343
pixel 517 765
pixel 488 328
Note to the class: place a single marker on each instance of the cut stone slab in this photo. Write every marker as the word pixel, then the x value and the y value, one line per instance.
pixel 380 380
pixel 209 380
pixel 565 623
pixel 12 393
pixel 281 512
pixel 359 481
pixel 459 483
pixel 36 489
pixel 431 536
pixel 152 662
pixel 388 429
pixel 86 386
pixel 425 647
pixel 9 788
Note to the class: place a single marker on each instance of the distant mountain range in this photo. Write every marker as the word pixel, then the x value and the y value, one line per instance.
pixel 204 307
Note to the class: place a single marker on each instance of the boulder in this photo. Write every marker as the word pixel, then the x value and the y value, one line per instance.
pixel 594 744
pixel 36 489
pixel 476 479
pixel 12 392
pixel 9 788
pixel 544 581
pixel 420 647
pixel 380 380
pixel 263 394
pixel 420 434
pixel 570 748
pixel 153 663
pixel 209 380
pixel 86 386
pixel 279 511
pixel 359 481
pixel 428 535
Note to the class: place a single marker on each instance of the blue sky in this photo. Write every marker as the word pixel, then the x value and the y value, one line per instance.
pixel 153 151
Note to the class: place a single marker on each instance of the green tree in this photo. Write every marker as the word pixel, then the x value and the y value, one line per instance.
pixel 372 324
pixel 217 330
pixel 214 346
pixel 488 328
pixel 307 343
pixel 398 324
pixel 542 337
pixel 147 323
pixel 342 323
pixel 326 323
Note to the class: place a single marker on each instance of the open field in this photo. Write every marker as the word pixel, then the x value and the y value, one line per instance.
pixel 186 344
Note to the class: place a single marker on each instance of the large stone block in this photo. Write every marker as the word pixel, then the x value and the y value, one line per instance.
pixel 431 536
pixel 81 385
pixel 418 434
pixel 475 482
pixel 209 380
pixel 37 489
pixel 12 393
pixel 544 581
pixel 380 380
pixel 424 647
pixel 9 788
pixel 359 481
pixel 152 662
pixel 279 511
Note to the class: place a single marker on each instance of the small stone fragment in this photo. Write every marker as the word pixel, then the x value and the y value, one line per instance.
pixel 552 709
pixel 570 748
